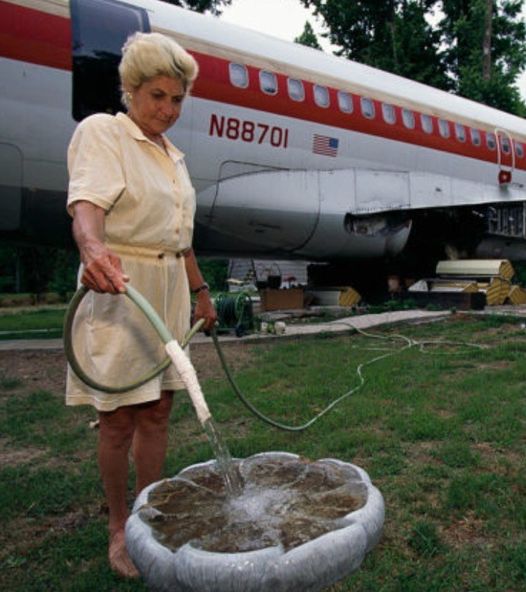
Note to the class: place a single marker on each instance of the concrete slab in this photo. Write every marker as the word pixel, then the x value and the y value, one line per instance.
pixel 350 323
pixel 28 344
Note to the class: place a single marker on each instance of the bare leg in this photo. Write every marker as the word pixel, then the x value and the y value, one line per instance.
pixel 151 439
pixel 115 437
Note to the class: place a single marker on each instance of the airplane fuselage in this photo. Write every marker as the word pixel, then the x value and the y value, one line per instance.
pixel 293 153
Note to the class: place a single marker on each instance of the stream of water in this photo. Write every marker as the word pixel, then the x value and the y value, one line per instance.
pixel 228 469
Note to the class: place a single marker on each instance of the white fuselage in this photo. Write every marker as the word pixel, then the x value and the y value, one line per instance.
pixel 275 174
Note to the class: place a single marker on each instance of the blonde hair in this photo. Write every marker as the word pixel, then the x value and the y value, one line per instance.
pixel 146 55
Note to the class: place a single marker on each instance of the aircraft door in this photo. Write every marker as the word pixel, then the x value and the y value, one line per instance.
pixel 505 156
pixel 10 187
pixel 100 28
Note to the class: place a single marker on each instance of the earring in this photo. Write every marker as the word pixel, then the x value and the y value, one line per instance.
pixel 129 97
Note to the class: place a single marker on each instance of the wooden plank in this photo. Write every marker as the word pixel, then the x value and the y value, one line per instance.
pixel 517 295
pixel 476 268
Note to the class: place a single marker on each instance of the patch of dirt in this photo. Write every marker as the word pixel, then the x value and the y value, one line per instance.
pixel 26 533
pixel 26 371
pixel 32 370
pixel 12 458
pixel 496 365
pixel 466 530
pixel 422 452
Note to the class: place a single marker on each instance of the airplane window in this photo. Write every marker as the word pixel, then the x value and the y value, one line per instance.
pixel 427 123
pixel 268 82
pixel 388 112
pixel 321 95
pixel 367 107
pixel 238 75
pixel 345 101
pixel 519 149
pixel 475 136
pixel 505 143
pixel 491 141
pixel 443 128
pixel 99 30
pixel 296 90
pixel 408 117
pixel 460 132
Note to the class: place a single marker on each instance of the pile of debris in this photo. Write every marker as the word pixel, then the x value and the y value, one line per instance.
pixel 470 283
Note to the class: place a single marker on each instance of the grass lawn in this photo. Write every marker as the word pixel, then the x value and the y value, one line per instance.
pixel 37 324
pixel 439 428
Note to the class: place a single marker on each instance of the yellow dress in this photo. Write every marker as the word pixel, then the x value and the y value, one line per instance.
pixel 150 204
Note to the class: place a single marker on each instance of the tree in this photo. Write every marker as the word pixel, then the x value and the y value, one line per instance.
pixel 486 50
pixel 214 6
pixel 308 37
pixel 215 271
pixel 37 270
pixel 477 49
pixel 393 35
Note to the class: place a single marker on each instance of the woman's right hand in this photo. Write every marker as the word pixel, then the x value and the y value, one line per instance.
pixel 102 268
pixel 103 271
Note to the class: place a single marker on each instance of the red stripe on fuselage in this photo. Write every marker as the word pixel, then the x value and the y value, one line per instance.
pixel 214 84
pixel 32 36
pixel 45 39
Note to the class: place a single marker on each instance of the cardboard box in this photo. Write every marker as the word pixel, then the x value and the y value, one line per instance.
pixel 281 299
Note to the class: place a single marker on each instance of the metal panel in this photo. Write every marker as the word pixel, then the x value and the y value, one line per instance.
pixel 276 210
pixel 378 191
pixel 429 190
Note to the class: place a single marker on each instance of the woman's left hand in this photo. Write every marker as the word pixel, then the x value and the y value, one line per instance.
pixel 204 309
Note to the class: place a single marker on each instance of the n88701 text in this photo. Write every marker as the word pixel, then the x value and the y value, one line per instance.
pixel 248 131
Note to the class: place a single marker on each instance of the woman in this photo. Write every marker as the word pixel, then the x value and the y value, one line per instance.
pixel 133 206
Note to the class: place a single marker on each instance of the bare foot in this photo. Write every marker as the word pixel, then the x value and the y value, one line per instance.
pixel 120 561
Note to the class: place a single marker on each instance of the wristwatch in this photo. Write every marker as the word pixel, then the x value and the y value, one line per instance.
pixel 202 287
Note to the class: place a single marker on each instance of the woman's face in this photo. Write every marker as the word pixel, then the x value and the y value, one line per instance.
pixel 156 104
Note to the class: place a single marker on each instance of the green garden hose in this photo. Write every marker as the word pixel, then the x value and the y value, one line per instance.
pixel 150 314
pixel 166 337
pixel 234 312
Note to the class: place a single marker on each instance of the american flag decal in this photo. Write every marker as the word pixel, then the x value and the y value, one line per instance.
pixel 325 145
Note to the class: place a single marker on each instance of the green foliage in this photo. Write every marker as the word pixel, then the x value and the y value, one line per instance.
pixel 485 74
pixel 308 37
pixel 64 277
pixel 8 263
pixel 215 272
pixel 38 269
pixel 520 272
pixel 477 50
pixel 393 36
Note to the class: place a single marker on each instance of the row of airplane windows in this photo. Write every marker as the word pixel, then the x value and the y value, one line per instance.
pixel 296 90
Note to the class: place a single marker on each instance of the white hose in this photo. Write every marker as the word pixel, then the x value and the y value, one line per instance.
pixel 184 367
